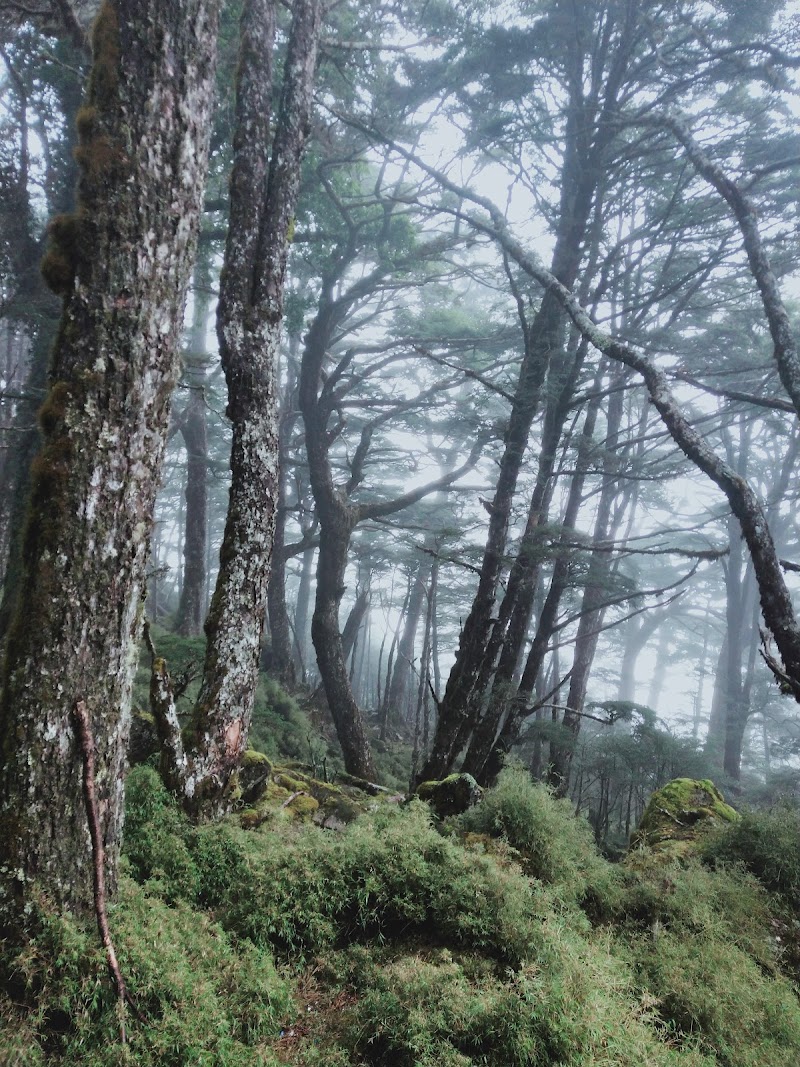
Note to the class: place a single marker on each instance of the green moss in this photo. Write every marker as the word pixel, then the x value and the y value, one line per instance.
pixel 53 410
pixel 201 996
pixel 303 806
pixel 680 811
pixel 105 53
pixel 451 795
pixel 60 262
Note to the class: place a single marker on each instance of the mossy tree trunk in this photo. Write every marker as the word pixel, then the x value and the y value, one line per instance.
pixel 121 263
pixel 264 188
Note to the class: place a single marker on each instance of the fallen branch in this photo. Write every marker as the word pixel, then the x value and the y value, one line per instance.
pixel 86 742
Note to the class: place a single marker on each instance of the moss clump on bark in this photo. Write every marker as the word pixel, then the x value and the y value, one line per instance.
pixel 679 813
pixel 60 263
pixel 105 52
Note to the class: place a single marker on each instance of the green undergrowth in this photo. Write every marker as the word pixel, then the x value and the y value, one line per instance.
pixel 286 725
pixel 499 938
pixel 201 995
pixel 767 843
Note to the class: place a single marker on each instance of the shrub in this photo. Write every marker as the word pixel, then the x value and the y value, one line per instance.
pixel 702 952
pixel 156 837
pixel 388 875
pixel 202 998
pixel 555 846
pixel 422 1008
pixel 767 843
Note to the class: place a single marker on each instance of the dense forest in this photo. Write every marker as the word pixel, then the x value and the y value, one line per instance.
pixel 398 533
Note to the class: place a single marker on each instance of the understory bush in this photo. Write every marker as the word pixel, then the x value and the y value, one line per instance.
pixel 554 844
pixel 766 843
pixel 405 946
pixel 201 997
pixel 704 955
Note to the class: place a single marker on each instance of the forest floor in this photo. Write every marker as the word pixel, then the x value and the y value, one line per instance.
pixel 329 926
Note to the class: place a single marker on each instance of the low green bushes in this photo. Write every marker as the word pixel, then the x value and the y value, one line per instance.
pixel 202 997
pixel 766 843
pixel 497 940
pixel 552 844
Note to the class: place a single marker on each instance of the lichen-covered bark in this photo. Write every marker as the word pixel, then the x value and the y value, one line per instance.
pixel 121 263
pixel 264 187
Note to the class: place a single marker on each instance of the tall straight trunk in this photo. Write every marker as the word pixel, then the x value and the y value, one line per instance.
pixel 543 336
pixel 637 633
pixel 402 674
pixel 73 639
pixel 282 660
pixel 325 634
pixel 264 187
pixel 355 618
pixel 513 618
pixel 714 747
pixel 421 701
pixel 594 597
pixel 302 608
pixel 559 581
pixel 588 133
pixel 193 586
pixel 194 429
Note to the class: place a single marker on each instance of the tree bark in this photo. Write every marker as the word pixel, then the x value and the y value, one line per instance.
pixel 122 264
pixel 399 687
pixel 264 188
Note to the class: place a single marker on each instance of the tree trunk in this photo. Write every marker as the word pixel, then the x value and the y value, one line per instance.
pixel 594 597
pixel 517 708
pixel 514 616
pixel 194 429
pixel 398 690
pixel 282 660
pixel 302 608
pixel 264 189
pixel 122 264
pixel 325 634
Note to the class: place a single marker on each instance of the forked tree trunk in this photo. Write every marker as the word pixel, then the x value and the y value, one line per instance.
pixel 264 187
pixel 122 264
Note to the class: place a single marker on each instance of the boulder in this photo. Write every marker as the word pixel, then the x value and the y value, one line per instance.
pixel 679 813
pixel 254 773
pixel 452 795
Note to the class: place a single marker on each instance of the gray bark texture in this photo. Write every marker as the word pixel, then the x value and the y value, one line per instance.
pixel 264 188
pixel 121 262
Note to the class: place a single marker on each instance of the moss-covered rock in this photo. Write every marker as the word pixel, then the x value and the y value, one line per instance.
pixel 679 814
pixel 330 806
pixel 452 795
pixel 254 774
pixel 303 806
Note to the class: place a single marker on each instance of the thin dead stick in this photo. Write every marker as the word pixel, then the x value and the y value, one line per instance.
pixel 294 796
pixel 98 855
